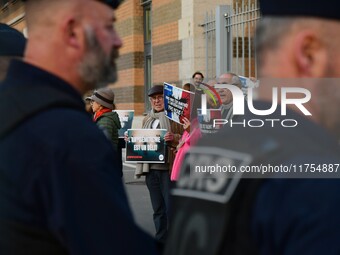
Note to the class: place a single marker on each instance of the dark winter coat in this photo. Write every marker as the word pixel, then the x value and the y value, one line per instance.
pixel 109 122
pixel 61 190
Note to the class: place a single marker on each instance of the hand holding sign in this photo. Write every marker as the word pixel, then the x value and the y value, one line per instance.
pixel 169 136
pixel 186 123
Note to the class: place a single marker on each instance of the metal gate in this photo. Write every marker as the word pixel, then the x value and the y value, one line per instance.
pixel 229 39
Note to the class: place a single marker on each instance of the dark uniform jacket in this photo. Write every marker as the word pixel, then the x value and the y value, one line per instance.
pixel 60 192
pixel 293 211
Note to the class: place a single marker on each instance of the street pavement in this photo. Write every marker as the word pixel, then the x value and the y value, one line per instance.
pixel 139 199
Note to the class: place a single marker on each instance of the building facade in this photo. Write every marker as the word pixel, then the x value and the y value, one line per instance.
pixel 164 41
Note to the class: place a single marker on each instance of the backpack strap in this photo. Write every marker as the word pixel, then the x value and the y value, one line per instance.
pixel 19 104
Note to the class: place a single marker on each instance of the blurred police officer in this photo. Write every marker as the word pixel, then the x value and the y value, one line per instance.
pixel 60 190
pixel 227 214
pixel 12 44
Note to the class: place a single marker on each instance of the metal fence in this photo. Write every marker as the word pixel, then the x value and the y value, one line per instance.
pixel 229 39
pixel 209 26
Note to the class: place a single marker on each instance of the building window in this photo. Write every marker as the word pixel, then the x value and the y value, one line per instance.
pixel 147 27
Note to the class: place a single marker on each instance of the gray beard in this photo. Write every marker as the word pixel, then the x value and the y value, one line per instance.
pixel 97 69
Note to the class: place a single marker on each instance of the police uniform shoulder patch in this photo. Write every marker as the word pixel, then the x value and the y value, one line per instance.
pixel 211 173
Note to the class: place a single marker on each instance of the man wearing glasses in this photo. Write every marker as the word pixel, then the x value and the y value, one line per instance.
pixel 157 175
pixel 225 94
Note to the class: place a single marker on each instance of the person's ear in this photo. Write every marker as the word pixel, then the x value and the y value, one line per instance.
pixel 73 33
pixel 310 54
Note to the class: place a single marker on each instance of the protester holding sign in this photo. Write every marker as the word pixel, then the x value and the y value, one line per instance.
pixel 157 174
pixel 191 132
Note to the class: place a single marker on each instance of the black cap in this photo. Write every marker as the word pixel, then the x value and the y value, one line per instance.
pixel 157 89
pixel 315 8
pixel 112 3
pixel 12 42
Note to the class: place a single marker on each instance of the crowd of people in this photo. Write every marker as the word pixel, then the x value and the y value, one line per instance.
pixel 59 197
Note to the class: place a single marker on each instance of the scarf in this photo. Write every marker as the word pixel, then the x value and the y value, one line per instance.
pixel 163 120
pixel 100 113
pixel 227 111
pixel 143 168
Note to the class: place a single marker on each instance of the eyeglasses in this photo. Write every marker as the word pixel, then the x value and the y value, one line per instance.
pixel 160 98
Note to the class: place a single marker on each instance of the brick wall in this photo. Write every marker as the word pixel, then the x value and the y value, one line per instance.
pixel 129 90
pixel 166 50
pixel 166 46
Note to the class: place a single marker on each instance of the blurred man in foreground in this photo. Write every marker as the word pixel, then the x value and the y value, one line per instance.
pixel 60 191
pixel 262 187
